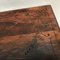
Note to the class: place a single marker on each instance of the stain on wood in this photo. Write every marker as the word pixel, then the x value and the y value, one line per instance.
pixel 29 34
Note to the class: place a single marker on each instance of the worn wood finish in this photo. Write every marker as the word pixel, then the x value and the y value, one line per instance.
pixel 29 34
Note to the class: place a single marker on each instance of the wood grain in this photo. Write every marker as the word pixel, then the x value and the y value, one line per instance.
pixel 29 34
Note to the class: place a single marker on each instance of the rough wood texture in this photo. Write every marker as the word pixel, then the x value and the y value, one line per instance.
pixel 29 34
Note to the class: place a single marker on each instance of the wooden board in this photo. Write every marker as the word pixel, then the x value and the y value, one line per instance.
pixel 27 20
pixel 29 34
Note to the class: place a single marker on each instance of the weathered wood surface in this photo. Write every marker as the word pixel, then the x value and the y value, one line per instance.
pixel 41 17
pixel 29 34
pixel 24 46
